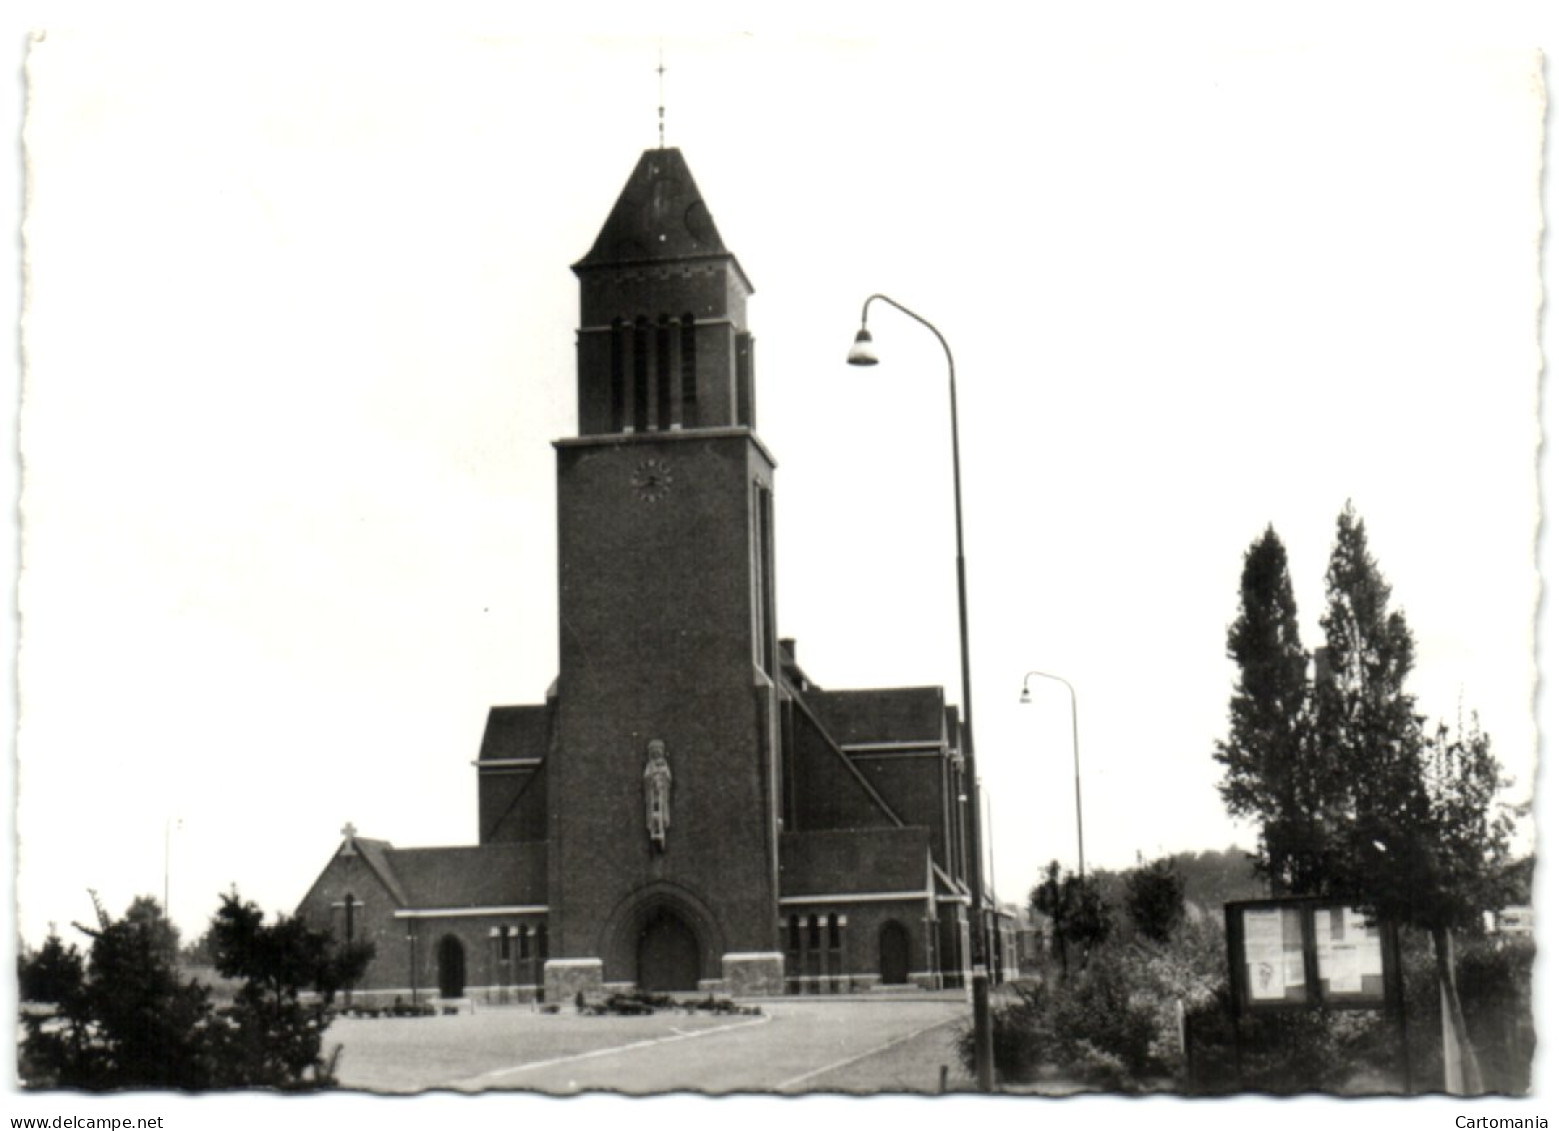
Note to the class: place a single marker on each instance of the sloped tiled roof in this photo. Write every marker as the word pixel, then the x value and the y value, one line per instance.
pixel 660 215
pixel 855 861
pixel 888 714
pixel 515 732
pixel 485 875
pixel 377 855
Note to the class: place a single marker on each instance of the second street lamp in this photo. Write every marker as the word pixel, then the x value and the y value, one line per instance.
pixel 1077 771
pixel 864 353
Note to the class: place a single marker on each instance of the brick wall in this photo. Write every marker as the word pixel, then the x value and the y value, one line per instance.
pixel 657 626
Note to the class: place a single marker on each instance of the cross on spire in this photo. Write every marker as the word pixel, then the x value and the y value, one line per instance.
pixel 349 830
pixel 660 76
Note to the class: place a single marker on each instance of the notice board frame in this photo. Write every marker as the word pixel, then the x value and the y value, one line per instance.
pixel 1313 994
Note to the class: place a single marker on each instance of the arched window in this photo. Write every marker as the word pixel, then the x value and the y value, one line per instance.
pixel 619 375
pixel 641 374
pixel 663 374
pixel 689 374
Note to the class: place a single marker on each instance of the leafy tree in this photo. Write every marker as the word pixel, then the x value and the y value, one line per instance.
pixel 52 973
pixel 1519 873
pixel 127 1023
pixel 146 911
pixel 1421 840
pixel 1213 878
pixel 1356 800
pixel 198 952
pixel 1447 862
pixel 1268 758
pixel 1366 719
pixel 273 1036
pixel 1155 899
pixel 1079 913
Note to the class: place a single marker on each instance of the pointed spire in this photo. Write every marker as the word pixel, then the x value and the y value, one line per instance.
pixel 660 215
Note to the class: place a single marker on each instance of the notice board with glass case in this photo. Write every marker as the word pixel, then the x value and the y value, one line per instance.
pixel 1308 952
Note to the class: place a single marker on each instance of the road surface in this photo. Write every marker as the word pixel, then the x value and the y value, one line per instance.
pixel 796 1045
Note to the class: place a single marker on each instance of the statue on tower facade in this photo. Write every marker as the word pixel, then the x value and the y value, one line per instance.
pixel 657 793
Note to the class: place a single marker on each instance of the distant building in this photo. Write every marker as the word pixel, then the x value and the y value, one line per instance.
pixel 1512 921
pixel 686 810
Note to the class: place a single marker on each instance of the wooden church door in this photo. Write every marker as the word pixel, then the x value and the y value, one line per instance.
pixel 893 944
pixel 451 967
pixel 668 954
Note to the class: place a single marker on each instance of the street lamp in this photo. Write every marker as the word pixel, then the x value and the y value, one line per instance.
pixel 169 824
pixel 863 352
pixel 1077 772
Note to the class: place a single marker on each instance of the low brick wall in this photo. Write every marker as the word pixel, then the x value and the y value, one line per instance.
pixel 567 978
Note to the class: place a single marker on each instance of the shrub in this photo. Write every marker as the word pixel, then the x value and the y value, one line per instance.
pixel 1494 978
pixel 1360 1050
pixel 1155 899
pixel 1288 1052
pixel 1023 1040
pixel 129 1020
pixel 51 973
pixel 125 1020
pixel 1114 1025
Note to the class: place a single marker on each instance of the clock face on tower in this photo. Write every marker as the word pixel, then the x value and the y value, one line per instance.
pixel 652 480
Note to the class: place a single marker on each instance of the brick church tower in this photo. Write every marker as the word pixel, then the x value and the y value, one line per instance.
pixel 687 810
pixel 664 786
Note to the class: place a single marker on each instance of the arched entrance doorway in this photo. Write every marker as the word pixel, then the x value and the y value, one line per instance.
pixel 451 967
pixel 893 953
pixel 667 954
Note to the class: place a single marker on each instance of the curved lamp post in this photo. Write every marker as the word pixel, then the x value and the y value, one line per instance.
pixel 1077 771
pixel 864 353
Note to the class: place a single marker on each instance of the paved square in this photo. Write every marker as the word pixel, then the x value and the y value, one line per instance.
pixel 795 1046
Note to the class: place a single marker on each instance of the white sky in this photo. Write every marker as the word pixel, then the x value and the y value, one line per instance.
pixel 301 329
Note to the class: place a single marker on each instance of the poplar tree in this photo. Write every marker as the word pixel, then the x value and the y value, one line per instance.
pixel 1421 840
pixel 1367 721
pixel 1270 773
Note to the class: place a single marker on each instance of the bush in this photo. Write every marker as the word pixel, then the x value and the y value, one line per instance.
pixel 1360 1050
pixel 1289 1052
pixel 129 1020
pixel 637 1003
pixel 1494 979
pixel 1115 1025
pixel 1093 1030
pixel 1155 899
pixel 50 974
pixel 1023 1039
pixel 125 1020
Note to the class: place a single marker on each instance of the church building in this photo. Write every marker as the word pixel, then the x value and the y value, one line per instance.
pixel 686 810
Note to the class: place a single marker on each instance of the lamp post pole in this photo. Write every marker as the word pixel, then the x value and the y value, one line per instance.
pixel 862 353
pixel 411 946
pixel 1077 768
pixel 169 824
